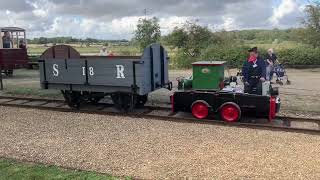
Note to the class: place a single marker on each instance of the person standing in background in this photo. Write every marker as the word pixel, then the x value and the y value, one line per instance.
pixel 22 44
pixel 271 59
pixel 6 40
pixel 103 51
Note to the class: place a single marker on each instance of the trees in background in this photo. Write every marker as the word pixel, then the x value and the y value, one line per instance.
pixel 148 32
pixel 193 42
pixel 311 33
pixel 178 38
pixel 191 39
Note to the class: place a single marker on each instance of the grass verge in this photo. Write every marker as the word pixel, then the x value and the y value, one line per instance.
pixel 24 91
pixel 13 170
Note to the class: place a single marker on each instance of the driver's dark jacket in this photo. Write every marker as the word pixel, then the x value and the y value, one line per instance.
pixel 250 72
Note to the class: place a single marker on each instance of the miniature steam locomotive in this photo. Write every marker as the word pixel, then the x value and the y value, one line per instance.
pixel 204 94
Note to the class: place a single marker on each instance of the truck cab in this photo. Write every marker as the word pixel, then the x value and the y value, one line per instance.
pixel 13 49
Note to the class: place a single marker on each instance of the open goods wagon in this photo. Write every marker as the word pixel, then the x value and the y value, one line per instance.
pixel 128 79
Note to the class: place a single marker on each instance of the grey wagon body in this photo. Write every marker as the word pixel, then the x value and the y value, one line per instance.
pixel 62 68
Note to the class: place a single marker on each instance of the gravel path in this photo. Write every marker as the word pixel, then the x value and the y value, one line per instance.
pixel 152 149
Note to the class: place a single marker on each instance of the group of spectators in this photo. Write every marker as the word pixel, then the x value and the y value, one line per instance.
pixel 8 43
pixel 257 70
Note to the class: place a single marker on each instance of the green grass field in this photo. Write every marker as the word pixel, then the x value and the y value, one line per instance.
pixel 34 49
pixel 13 170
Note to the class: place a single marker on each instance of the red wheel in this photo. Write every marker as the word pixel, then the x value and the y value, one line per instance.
pixel 200 110
pixel 230 112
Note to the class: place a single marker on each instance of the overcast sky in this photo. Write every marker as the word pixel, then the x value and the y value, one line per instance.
pixel 116 19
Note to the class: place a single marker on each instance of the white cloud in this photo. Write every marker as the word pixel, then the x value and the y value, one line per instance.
pixel 110 19
pixel 285 8
pixel 125 25
pixel 10 18
pixel 228 23
pixel 93 28
pixel 169 23
pixel 116 29
pixel 41 8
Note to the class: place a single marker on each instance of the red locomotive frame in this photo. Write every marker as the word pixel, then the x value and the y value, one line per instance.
pixel 230 106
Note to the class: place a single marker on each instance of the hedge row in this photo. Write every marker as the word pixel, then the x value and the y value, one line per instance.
pixel 235 56
pixel 300 56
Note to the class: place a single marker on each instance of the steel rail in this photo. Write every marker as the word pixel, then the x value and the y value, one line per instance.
pixel 285 123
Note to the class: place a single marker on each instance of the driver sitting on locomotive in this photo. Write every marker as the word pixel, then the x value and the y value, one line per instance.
pixel 254 73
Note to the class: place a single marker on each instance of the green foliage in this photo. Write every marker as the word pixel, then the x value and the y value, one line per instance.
pixel 258 36
pixel 189 42
pixel 311 35
pixel 300 56
pixel 247 34
pixel 11 170
pixel 193 42
pixel 106 44
pixel 227 38
pixel 181 60
pixel 234 55
pixel 191 39
pixel 25 91
pixel 43 40
pixel 148 32
pixel 71 40
pixel 178 38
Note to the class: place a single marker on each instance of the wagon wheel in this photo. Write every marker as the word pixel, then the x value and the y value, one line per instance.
pixel 95 100
pixel 129 101
pixel 141 100
pixel 116 99
pixel 95 97
pixel 72 98
pixel 124 101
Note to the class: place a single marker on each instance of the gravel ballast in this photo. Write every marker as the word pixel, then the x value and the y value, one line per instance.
pixel 153 149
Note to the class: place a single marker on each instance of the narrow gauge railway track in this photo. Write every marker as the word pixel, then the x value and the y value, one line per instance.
pixel 281 123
